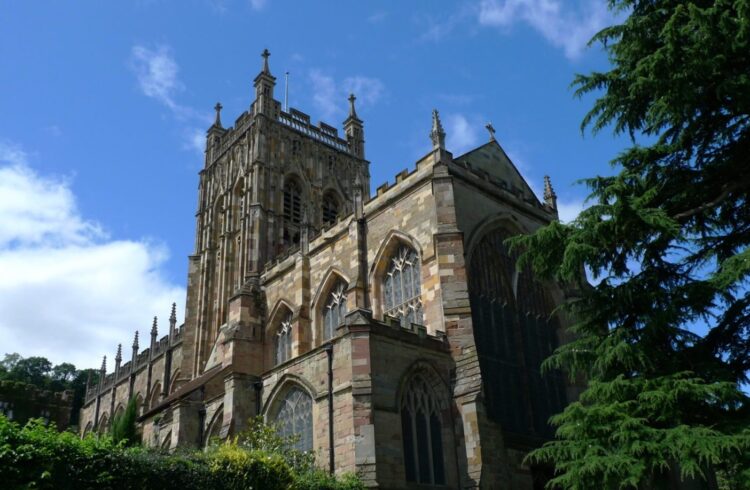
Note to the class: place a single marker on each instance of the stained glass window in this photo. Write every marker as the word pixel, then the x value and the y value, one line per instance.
pixel 402 287
pixel 334 310
pixel 294 418
pixel 515 331
pixel 284 340
pixel 421 429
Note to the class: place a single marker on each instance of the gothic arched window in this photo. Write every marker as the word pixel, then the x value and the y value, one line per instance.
pixel 330 209
pixel 334 310
pixel 515 331
pixel 421 430
pixel 402 287
pixel 292 211
pixel 294 418
pixel 283 346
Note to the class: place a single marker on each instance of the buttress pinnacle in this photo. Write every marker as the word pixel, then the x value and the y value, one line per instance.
pixel 437 135
pixel 550 198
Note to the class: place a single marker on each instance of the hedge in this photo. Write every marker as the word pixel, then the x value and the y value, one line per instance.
pixel 35 456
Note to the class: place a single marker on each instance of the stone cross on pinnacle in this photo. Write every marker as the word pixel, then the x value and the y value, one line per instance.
pixel 491 130
pixel 218 107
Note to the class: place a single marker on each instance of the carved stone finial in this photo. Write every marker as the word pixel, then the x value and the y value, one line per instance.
pixel 491 130
pixel 103 369
pixel 118 356
pixel 154 329
pixel 265 54
pixel 135 340
pixel 173 314
pixel 352 110
pixel 437 135
pixel 218 107
pixel 550 198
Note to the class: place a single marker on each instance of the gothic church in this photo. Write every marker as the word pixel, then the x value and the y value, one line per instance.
pixel 391 332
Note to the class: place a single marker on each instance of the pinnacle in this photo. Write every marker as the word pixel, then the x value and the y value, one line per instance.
pixel 265 54
pixel 135 340
pixel 437 135
pixel 154 329
pixel 118 356
pixel 173 314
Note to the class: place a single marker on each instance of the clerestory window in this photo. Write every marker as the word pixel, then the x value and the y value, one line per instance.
pixel 421 430
pixel 294 418
pixel 283 345
pixel 334 310
pixel 402 287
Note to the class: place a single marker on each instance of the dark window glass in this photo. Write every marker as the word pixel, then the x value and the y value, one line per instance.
pixel 402 287
pixel 294 418
pixel 330 209
pixel 284 340
pixel 421 432
pixel 334 310
pixel 515 331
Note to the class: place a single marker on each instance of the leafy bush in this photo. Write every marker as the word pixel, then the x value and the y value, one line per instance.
pixel 35 456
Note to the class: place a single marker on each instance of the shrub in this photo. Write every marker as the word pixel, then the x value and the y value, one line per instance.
pixel 39 457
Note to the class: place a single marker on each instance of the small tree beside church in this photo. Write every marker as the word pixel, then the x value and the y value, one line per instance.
pixel 663 336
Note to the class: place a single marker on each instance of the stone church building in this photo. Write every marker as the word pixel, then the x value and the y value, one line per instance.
pixel 391 332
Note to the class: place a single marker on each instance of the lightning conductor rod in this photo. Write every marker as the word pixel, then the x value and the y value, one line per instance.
pixel 286 92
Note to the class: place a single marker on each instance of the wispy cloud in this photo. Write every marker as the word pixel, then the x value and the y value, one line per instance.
pixel 258 4
pixel 68 291
pixel 330 96
pixel 377 17
pixel 462 132
pixel 194 139
pixel 157 71
pixel 569 209
pixel 566 25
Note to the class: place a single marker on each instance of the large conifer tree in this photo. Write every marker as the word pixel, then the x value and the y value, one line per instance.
pixel 663 334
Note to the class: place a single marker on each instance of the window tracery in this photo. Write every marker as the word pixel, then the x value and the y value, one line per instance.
pixel 283 342
pixel 334 310
pixel 515 331
pixel 421 429
pixel 402 287
pixel 294 418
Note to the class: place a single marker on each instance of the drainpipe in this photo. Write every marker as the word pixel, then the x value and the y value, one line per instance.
pixel 258 385
pixel 331 457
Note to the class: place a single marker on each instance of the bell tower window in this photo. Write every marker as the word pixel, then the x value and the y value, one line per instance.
pixel 330 209
pixel 292 212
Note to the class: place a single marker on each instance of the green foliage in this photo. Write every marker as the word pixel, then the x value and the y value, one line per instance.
pixel 123 426
pixel 664 335
pixel 35 456
pixel 39 372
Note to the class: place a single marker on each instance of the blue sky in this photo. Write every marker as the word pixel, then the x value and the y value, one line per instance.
pixel 104 107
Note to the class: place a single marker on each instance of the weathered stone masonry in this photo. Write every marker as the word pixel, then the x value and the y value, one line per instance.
pixel 295 266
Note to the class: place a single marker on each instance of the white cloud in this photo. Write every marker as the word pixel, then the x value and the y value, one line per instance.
pixel 195 140
pixel 377 17
pixel 258 4
pixel 569 209
pixel 561 23
pixel 461 132
pixel 67 291
pixel 330 96
pixel 156 71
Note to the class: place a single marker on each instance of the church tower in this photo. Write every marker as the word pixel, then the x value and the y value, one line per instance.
pixel 260 179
